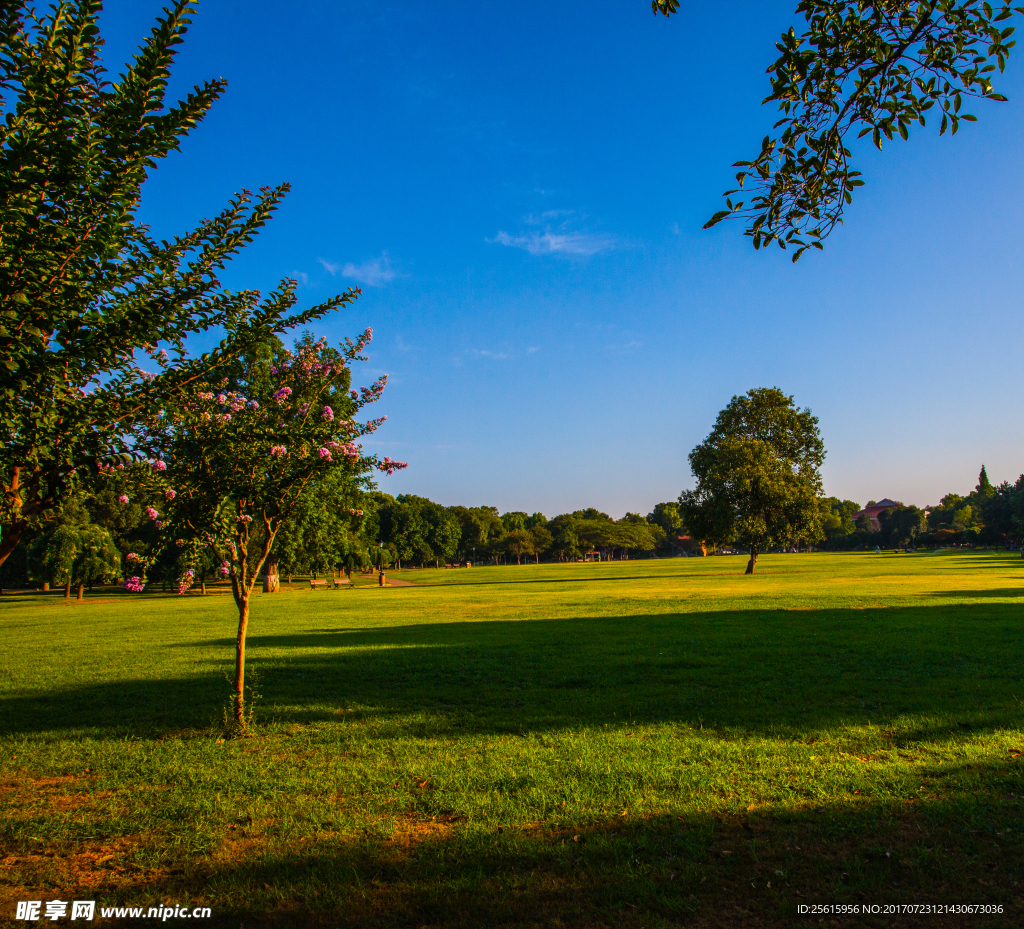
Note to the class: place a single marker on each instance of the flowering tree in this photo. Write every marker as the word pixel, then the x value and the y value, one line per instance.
pixel 235 459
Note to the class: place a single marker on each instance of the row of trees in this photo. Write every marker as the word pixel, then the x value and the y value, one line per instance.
pixel 337 524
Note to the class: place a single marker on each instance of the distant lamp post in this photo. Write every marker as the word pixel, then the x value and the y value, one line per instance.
pixel 380 577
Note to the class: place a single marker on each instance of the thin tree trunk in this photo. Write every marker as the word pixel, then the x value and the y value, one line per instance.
pixel 242 584
pixel 243 624
pixel 752 562
pixel 67 590
pixel 80 587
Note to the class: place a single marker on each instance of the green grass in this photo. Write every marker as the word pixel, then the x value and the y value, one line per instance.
pixel 652 743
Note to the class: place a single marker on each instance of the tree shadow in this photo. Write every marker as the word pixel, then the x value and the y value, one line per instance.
pixel 787 673
pixel 752 868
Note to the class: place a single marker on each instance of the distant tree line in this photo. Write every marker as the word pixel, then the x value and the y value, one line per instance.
pixel 988 515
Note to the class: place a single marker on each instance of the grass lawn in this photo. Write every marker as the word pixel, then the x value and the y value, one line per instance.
pixel 654 743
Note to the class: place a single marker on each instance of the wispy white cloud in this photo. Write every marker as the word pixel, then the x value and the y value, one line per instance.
pixel 302 278
pixel 547 216
pixel 374 273
pixel 532 349
pixel 557 243
pixel 497 356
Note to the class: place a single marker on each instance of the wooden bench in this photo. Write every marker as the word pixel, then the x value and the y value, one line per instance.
pixel 317 583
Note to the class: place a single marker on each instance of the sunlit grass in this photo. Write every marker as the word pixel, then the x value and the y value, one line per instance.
pixel 630 743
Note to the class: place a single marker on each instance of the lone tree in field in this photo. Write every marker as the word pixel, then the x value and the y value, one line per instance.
pixel 859 68
pixel 758 472
pixel 85 291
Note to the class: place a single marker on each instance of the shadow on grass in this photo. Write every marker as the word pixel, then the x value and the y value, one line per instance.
pixel 782 672
pixel 744 869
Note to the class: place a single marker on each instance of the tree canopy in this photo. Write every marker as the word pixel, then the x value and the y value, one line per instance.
pixel 758 473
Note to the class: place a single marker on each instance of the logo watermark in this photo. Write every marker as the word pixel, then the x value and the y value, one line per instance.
pixel 86 910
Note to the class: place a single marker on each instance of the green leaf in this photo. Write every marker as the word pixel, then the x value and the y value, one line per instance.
pixel 717 218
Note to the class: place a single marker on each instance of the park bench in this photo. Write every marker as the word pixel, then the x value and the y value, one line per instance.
pixel 327 584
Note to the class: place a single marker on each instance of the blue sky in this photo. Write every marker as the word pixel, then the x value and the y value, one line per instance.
pixel 519 189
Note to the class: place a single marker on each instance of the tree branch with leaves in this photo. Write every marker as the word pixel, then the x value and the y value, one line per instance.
pixel 859 68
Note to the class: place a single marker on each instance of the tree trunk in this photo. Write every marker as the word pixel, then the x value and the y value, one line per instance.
pixel 752 562
pixel 67 590
pixel 11 537
pixel 80 587
pixel 243 624
pixel 202 587
pixel 46 586
pixel 271 579
pixel 536 557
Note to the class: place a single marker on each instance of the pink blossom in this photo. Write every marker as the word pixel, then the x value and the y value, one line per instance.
pixel 350 449
pixel 170 494
pixel 283 394
pixel 389 465
pixel 224 569
pixel 131 556
pixel 151 513
pixel 159 524
pixel 185 581
pixel 226 417
pixel 237 404
pixel 158 465
pixel 134 584
pixel 328 414
pixel 123 498
pixel 303 409
pixel 222 399
pixel 255 404
pixel 355 394
pixel 325 454
pixel 206 417
pixel 278 451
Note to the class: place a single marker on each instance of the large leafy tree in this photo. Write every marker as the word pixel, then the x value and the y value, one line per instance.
pixel 758 473
pixel 859 68
pixel 86 292
pixel 75 552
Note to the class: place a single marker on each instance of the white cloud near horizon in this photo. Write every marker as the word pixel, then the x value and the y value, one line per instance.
pixel 557 243
pixel 374 273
